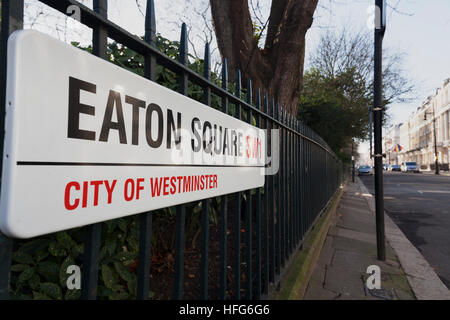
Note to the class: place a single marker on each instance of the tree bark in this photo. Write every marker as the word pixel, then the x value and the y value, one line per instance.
pixel 278 68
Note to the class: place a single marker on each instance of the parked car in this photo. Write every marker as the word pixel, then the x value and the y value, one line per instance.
pixel 364 170
pixel 410 167
pixel 395 167
pixel 385 166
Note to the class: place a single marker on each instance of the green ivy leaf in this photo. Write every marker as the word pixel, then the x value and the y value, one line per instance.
pixel 34 282
pixel 122 225
pixel 26 274
pixel 41 254
pixel 110 246
pixel 72 294
pixel 64 240
pixel 22 257
pixel 133 244
pixel 119 295
pixel 52 290
pixel 111 225
pixel 132 286
pixel 103 291
pixel 123 271
pixel 78 250
pixel 56 249
pixel 108 277
pixel 19 267
pixel 40 296
pixel 49 270
pixel 33 246
pixel 125 256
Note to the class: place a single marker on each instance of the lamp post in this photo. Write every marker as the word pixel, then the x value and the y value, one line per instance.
pixel 380 27
pixel 353 164
pixel 436 159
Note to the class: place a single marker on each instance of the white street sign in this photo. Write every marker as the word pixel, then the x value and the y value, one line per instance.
pixel 87 141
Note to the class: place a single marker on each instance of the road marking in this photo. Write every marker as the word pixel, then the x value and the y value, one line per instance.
pixel 433 191
pixel 419 191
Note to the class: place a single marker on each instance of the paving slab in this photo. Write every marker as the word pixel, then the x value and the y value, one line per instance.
pixel 350 247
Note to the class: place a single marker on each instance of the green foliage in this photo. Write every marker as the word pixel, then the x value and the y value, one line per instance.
pixel 39 269
pixel 336 107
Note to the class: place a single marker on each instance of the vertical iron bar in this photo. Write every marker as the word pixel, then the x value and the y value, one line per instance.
pixel 310 174
pixel 288 221
pixel 286 182
pixel 248 214
pixel 295 191
pixel 302 182
pixel 271 195
pixel 181 209
pixel 223 203
pixel 279 199
pixel 298 189
pixel 283 190
pixel 12 20
pixel 265 222
pixel 291 221
pixel 294 220
pixel 258 214
pixel 206 202
pixel 94 231
pixel 296 184
pixel 204 250
pixel 145 225
pixel 237 211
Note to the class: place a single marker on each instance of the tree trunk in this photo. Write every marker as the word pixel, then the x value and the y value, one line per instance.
pixel 278 69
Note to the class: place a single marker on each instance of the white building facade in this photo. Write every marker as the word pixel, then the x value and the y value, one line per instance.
pixel 416 137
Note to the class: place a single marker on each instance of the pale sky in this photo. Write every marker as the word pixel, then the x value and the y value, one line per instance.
pixel 418 28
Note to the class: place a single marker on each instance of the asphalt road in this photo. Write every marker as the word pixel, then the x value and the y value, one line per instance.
pixel 419 204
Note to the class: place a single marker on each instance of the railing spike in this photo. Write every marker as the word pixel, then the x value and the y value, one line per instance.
pixel 238 93
pixel 258 98
pixel 207 75
pixel 249 91
pixel 238 83
pixel 150 23
pixel 266 103
pixel 276 108
pixel 207 62
pixel 225 74
pixel 183 45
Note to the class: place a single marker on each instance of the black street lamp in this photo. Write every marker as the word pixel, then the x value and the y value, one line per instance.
pixel 380 27
pixel 353 163
pixel 436 159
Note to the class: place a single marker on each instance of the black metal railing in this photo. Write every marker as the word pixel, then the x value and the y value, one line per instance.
pixel 276 217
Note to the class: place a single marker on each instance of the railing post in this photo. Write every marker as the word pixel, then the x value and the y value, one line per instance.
pixel 237 211
pixel 206 202
pixel 283 190
pixel 12 20
pixel 93 232
pixel 266 216
pixel 145 224
pixel 272 197
pixel 259 213
pixel 278 192
pixel 223 203
pixel 248 215
pixel 180 209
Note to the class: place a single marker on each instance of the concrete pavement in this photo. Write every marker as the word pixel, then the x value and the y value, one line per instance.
pixel 349 249
pixel 420 205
